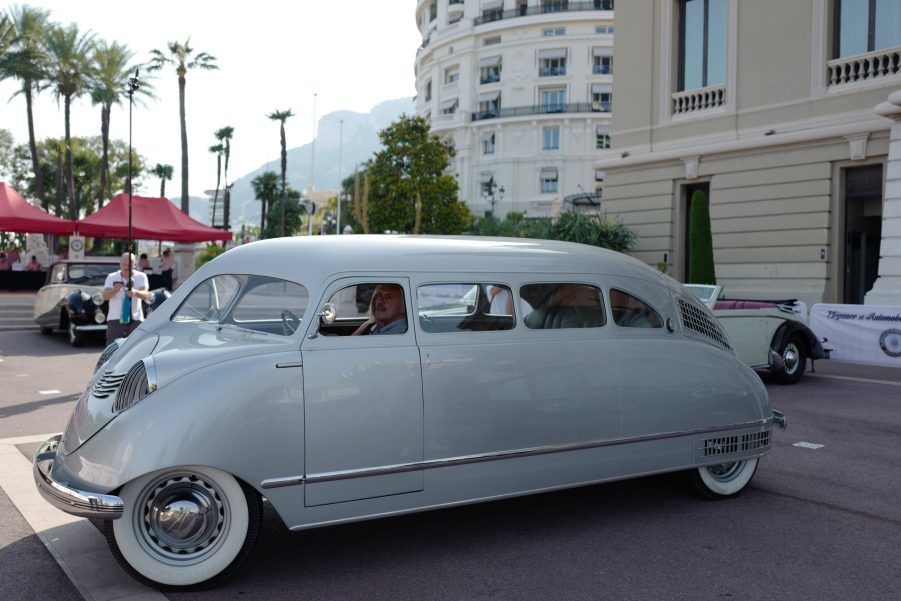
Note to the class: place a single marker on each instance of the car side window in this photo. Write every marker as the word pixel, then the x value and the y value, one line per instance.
pixel 267 299
pixel 629 311
pixel 462 307
pixel 367 308
pixel 560 305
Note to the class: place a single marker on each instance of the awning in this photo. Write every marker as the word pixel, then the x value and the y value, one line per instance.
pixel 17 216
pixel 490 96
pixel 492 4
pixel 602 130
pixel 485 177
pixel 491 61
pixel 599 175
pixel 601 88
pixel 552 53
pixel 602 51
pixel 151 219
pixel 447 104
pixel 548 173
pixel 487 135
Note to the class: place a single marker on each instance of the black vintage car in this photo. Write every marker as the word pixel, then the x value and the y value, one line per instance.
pixel 71 299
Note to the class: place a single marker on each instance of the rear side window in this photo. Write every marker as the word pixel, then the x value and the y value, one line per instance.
pixel 464 307
pixel 563 305
pixel 629 311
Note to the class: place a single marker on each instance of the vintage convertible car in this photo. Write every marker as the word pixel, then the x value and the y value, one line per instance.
pixel 769 335
pixel 249 382
pixel 71 300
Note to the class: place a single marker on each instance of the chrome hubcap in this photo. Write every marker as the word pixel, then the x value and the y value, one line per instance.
pixel 182 517
pixel 725 472
pixel 791 357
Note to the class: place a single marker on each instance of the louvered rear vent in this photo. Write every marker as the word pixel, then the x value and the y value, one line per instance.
pixel 699 322
pixel 134 388
pixel 725 445
pixel 107 384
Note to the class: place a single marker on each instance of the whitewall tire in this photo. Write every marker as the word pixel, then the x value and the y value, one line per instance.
pixel 724 480
pixel 185 527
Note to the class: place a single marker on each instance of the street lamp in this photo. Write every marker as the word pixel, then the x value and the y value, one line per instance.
pixel 493 194
pixel 342 198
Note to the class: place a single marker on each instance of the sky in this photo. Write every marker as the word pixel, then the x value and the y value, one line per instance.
pixel 272 55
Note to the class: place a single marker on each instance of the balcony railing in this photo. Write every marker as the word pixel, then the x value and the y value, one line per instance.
pixel 541 109
pixel 864 67
pixel 525 11
pixel 490 78
pixel 697 100
pixel 551 71
pixel 603 70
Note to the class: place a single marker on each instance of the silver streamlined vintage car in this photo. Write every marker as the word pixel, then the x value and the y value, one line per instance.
pixel 71 299
pixel 769 335
pixel 515 367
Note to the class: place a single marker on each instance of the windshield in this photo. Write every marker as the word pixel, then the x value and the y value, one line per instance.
pixel 705 293
pixel 91 274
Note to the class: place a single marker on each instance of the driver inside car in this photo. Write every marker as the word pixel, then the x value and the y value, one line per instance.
pixel 387 312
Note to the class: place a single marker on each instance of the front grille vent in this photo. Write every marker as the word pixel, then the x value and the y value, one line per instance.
pixel 134 388
pixel 106 354
pixel 107 384
pixel 726 445
pixel 699 322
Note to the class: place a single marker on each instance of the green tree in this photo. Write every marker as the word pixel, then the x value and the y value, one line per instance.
pixel 164 172
pixel 7 156
pixel 224 135
pixel 700 242
pixel 26 62
pixel 410 189
pixel 184 59
pixel 266 190
pixel 293 212
pixel 569 227
pixel 109 88
pixel 216 149
pixel 70 71
pixel 281 117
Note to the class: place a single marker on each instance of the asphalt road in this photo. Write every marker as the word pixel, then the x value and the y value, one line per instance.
pixel 815 523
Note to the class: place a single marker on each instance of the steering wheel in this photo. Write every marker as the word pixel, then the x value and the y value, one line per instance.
pixel 290 322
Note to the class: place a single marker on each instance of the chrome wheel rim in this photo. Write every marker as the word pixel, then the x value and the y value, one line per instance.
pixel 791 357
pixel 725 472
pixel 182 518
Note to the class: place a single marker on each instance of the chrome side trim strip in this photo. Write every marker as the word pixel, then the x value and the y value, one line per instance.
pixel 497 456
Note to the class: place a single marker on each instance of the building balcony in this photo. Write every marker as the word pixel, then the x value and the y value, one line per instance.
pixel 551 71
pixel 545 109
pixel 698 100
pixel 526 11
pixel 867 67
pixel 602 70
pixel 490 78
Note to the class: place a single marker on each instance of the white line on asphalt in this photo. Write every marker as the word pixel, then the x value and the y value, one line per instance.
pixel 78 547
pixel 54 391
pixel 21 375
pixel 850 379
pixel 808 445
pixel 26 439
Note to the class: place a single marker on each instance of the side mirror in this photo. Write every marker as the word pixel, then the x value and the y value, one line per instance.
pixel 328 314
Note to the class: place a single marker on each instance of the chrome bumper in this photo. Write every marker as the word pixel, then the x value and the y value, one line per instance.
pixel 779 420
pixel 91 327
pixel 77 502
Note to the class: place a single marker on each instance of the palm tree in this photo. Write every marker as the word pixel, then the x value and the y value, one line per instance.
pixel 164 172
pixel 70 72
pixel 184 59
pixel 224 135
pixel 282 116
pixel 217 149
pixel 26 62
pixel 265 188
pixel 108 89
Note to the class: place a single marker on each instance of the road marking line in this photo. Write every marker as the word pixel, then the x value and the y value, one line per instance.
pixel 26 439
pixel 76 545
pixel 54 391
pixel 808 445
pixel 850 379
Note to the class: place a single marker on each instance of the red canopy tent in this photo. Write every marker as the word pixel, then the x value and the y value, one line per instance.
pixel 16 215
pixel 151 219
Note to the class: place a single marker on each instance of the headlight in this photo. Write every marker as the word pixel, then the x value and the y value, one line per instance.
pixel 107 352
pixel 138 383
pixel 99 317
pixel 97 299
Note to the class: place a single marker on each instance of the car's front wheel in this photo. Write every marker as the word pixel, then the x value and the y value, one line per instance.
pixel 185 527
pixel 723 480
pixel 794 360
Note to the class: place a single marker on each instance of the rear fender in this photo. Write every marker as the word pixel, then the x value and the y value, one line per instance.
pixel 788 329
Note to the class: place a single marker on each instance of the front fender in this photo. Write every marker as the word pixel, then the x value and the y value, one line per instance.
pixel 76 301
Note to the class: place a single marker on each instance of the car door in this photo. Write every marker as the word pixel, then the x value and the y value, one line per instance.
pixel 363 410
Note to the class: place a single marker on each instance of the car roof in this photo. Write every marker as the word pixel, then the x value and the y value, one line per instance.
pixel 318 257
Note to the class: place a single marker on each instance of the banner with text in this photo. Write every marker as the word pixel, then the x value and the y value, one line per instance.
pixel 868 334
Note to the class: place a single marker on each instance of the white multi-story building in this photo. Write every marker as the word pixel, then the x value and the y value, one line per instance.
pixel 776 109
pixel 523 89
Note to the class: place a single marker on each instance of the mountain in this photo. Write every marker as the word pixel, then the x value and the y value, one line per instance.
pixel 360 142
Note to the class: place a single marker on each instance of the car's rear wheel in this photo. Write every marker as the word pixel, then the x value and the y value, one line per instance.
pixel 794 360
pixel 185 527
pixel 723 480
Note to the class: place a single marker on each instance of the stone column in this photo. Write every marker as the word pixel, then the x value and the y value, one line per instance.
pixel 185 255
pixel 887 289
